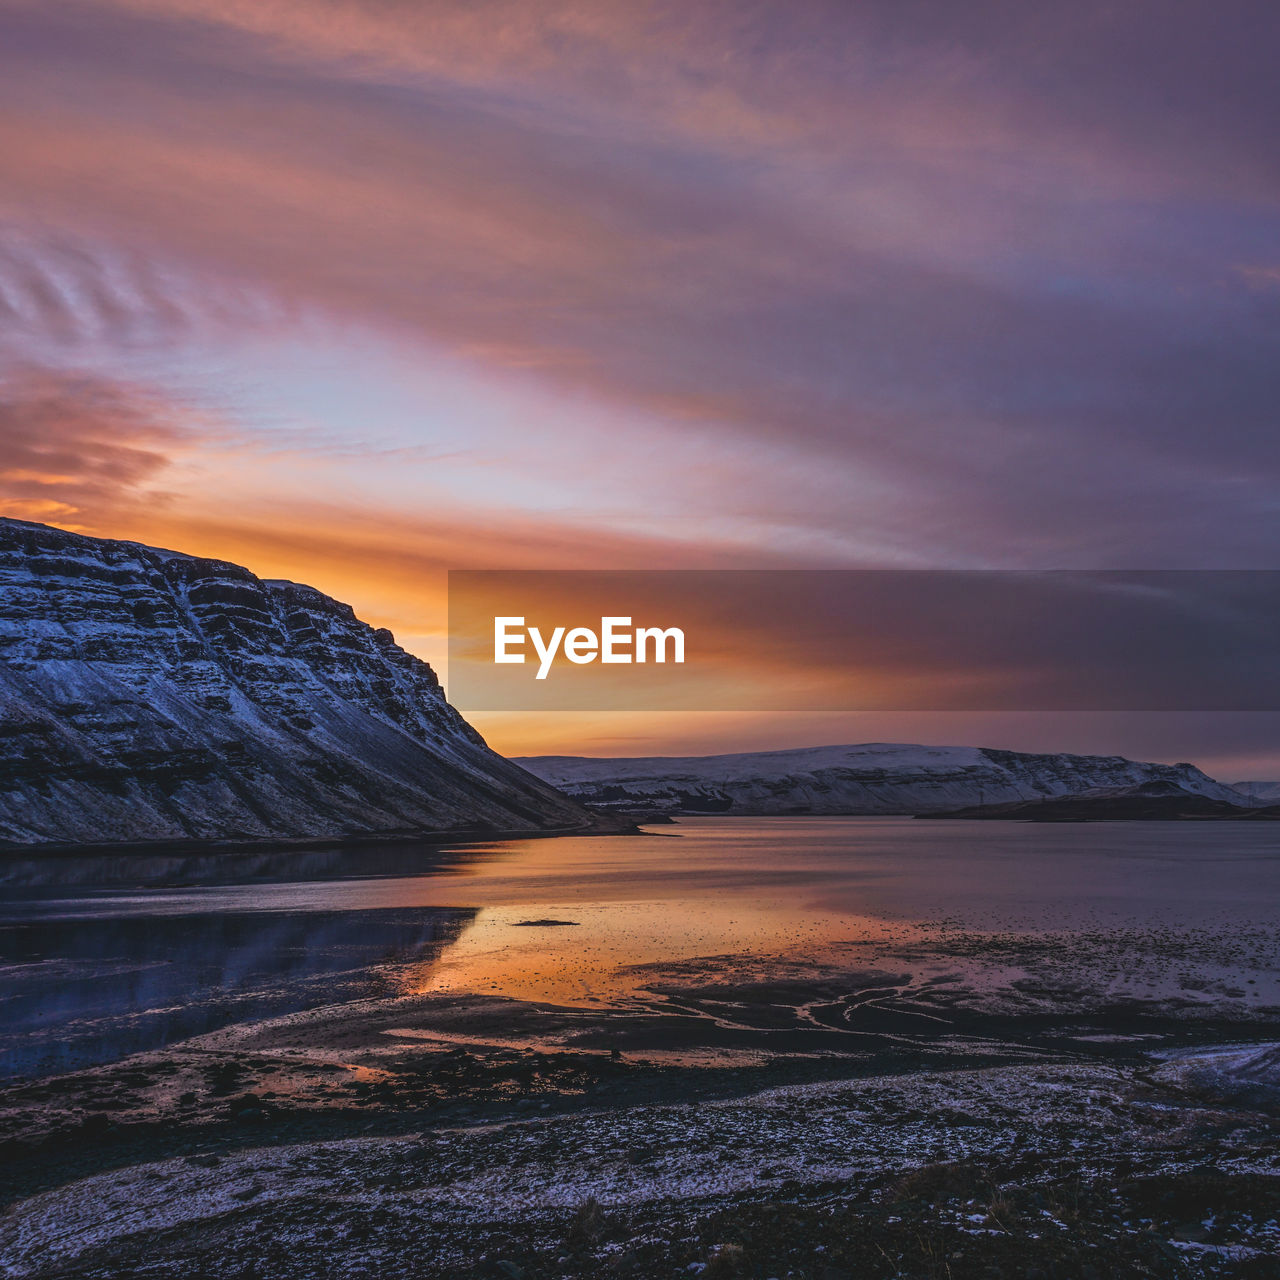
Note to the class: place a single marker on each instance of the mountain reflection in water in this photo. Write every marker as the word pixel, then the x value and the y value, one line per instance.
pixel 177 866
pixel 79 991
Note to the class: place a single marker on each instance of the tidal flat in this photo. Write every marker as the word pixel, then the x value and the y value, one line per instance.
pixel 775 1047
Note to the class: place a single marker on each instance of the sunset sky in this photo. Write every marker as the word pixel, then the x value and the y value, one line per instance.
pixel 357 291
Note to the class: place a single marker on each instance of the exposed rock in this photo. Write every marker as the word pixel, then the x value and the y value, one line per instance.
pixel 147 695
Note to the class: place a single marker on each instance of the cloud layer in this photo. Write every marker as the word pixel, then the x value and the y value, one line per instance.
pixel 72 445
pixel 887 283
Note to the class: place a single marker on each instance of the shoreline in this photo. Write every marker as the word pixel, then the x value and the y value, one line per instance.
pixel 304 844
pixel 627 825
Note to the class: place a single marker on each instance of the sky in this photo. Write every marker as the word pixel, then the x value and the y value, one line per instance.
pixel 358 291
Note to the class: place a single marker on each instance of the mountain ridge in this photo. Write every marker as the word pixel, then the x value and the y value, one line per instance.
pixel 1260 792
pixel 1159 801
pixel 863 778
pixel 152 695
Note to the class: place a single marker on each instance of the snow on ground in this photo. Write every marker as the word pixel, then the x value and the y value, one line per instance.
pixel 782 1139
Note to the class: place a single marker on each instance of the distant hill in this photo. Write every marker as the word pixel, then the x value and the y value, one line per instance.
pixel 870 778
pixel 1259 792
pixel 1152 801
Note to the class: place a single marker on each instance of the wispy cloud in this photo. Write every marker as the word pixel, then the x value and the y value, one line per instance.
pixel 912 247
pixel 918 282
pixel 80 446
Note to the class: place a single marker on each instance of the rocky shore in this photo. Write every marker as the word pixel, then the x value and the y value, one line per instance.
pixel 858 1123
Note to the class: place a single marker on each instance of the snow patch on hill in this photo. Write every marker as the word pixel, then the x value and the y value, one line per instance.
pixel 868 778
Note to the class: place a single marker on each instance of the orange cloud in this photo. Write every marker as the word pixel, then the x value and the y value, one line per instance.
pixel 79 446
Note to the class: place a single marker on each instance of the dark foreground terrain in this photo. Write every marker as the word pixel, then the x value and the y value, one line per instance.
pixel 482 1137
pixel 1050 1171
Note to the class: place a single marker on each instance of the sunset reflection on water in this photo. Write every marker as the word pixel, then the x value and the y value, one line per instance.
pixel 142 951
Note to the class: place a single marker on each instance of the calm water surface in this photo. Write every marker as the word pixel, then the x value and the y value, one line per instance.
pixel 100 957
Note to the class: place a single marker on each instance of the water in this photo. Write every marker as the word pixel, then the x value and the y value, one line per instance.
pixel 102 957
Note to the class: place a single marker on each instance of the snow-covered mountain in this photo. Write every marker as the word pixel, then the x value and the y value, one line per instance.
pixel 1160 800
pixel 876 777
pixel 1259 792
pixel 151 695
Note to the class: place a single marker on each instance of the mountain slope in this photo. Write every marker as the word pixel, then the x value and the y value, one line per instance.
pixel 1259 792
pixel 869 778
pixel 1149 801
pixel 151 695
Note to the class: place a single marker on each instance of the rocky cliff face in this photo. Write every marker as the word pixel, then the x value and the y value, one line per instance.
pixel 878 777
pixel 150 695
